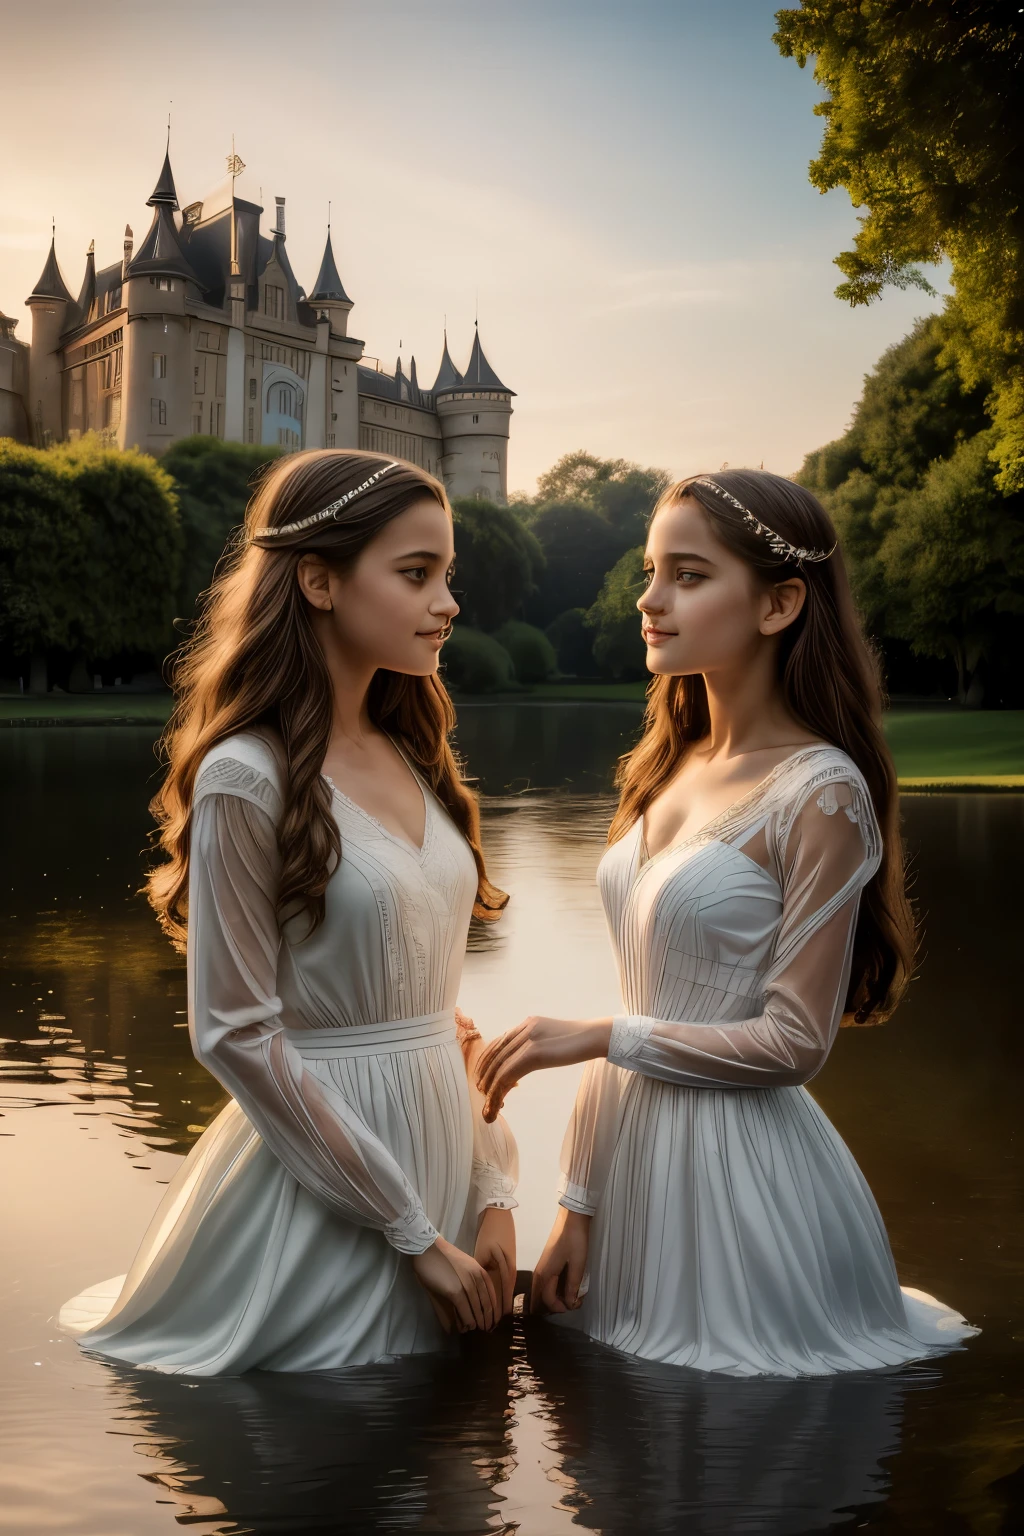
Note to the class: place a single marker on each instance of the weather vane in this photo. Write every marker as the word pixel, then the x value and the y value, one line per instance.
pixel 236 165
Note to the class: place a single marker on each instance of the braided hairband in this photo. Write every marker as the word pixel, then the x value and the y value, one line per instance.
pixel 777 544
pixel 321 517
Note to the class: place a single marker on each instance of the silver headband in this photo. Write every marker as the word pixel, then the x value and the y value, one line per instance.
pixel 321 517
pixel 776 543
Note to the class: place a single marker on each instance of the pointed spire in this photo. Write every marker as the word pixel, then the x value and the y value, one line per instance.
pixel 160 254
pixel 413 381
pixel 448 376
pixel 163 192
pixel 51 284
pixel 328 283
pixel 79 314
pixel 479 374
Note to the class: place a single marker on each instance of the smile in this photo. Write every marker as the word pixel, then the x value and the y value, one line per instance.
pixel 655 636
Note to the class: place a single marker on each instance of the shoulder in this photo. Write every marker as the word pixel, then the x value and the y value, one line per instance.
pixel 248 766
pixel 823 783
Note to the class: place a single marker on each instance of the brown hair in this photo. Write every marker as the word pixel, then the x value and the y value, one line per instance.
pixel 254 662
pixel 830 681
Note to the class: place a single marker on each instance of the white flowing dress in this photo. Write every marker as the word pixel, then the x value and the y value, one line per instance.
pixel 732 1230
pixel 353 1137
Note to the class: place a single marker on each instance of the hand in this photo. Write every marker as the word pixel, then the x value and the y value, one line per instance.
pixel 496 1252
pixel 536 1043
pixel 562 1265
pixel 459 1288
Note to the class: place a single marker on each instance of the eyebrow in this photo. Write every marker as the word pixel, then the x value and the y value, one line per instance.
pixel 420 554
pixel 703 559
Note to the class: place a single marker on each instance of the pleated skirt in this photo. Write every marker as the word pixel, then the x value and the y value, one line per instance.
pixel 737 1234
pixel 242 1267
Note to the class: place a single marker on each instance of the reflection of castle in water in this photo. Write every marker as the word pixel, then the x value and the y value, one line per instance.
pixel 436 1444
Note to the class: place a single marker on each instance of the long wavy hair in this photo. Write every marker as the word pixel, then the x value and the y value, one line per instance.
pixel 830 681
pixel 253 663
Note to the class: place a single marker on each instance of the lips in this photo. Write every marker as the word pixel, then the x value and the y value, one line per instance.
pixel 652 636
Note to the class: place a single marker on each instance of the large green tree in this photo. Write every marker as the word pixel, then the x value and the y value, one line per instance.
pixel 623 493
pixel 214 481
pixel 130 567
pixel 618 646
pixel 44 536
pixel 579 546
pixel 924 127
pixel 498 562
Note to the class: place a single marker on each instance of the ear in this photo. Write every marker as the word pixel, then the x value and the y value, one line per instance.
pixel 314 578
pixel 782 604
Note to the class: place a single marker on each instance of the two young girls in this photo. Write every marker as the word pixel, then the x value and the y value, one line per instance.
pixel 353 1200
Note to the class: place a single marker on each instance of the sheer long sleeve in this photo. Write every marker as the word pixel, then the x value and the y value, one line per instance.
pixel 495 1156
pixel 824 863
pixel 237 1029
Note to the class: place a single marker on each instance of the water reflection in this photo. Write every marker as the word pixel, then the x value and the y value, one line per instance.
pixel 530 1430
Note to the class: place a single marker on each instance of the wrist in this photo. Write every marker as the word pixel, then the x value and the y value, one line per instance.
pixel 579 1219
pixel 599 1037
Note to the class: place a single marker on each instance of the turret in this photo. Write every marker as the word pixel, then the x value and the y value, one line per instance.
pixel 13 382
pixel 157 364
pixel 475 408
pixel 329 294
pixel 80 313
pixel 49 303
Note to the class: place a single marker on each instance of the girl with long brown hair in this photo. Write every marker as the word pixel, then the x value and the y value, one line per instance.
pixel 754 888
pixel 322 864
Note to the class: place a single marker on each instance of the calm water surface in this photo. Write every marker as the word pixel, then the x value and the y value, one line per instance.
pixel 527 1430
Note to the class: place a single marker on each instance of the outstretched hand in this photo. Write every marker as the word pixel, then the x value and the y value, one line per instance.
pixel 532 1045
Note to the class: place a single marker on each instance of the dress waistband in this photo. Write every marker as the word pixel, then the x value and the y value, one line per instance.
pixel 376 1039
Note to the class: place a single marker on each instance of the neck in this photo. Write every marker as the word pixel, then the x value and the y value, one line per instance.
pixel 746 709
pixel 350 677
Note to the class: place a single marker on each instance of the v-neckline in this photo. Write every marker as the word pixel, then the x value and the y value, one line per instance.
pixel 395 837
pixel 730 810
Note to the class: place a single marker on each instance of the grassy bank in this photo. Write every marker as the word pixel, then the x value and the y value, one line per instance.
pixel 933 748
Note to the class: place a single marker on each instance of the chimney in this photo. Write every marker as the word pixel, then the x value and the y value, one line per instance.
pixel 128 248
pixel 279 217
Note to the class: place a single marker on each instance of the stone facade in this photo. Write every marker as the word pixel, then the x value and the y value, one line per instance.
pixel 205 329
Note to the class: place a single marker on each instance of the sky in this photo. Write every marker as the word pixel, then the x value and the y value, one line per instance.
pixel 617 188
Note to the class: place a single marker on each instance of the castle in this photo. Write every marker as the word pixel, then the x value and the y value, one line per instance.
pixel 204 328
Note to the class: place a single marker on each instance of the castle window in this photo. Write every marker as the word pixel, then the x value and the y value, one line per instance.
pixel 216 419
pixel 475 420
pixel 197 424
pixel 163 284
pixel 159 365
pixel 252 418
pixel 158 413
pixel 273 302
pixel 112 411
pixel 252 390
pixel 204 338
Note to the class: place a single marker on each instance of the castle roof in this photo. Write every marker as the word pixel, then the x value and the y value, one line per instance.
pixel 78 313
pixel 479 374
pixel 328 286
pixel 164 191
pixel 160 254
pixel 50 285
pixel 448 376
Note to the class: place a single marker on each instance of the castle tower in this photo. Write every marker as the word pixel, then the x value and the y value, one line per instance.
pixel 49 302
pixel 14 355
pixel 475 409
pixel 157 374
pixel 341 389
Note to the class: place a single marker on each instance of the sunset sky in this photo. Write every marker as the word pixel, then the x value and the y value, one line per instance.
pixel 622 187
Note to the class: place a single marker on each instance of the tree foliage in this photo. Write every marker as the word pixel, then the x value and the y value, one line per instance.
pixel 497 562
pixel 579 546
pixel 43 538
pixel 618 645
pixel 533 655
pixel 934 547
pixel 475 663
pixel 924 127
pixel 89 550
pixel 214 482
pixel 622 493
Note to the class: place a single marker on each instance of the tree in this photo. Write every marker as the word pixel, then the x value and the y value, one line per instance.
pixel 214 481
pixel 573 643
pixel 579 547
pixel 43 539
pixel 475 663
pixel 497 562
pixel 532 653
pixel 623 493
pixel 924 127
pixel 618 646
pixel 953 564
pixel 130 567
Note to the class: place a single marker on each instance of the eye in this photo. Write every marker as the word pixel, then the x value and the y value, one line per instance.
pixel 416 572
pixel 648 576
pixel 689 578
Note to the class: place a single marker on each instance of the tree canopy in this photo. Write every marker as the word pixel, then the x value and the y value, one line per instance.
pixel 43 537
pixel 214 482
pixel 618 645
pixel 498 562
pixel 924 127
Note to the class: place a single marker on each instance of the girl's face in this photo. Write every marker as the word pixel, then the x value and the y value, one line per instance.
pixel 391 607
pixel 704 609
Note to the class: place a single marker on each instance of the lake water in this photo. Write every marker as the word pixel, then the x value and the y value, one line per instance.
pixel 526 1430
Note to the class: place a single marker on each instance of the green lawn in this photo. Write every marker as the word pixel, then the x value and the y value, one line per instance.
pixel 931 746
